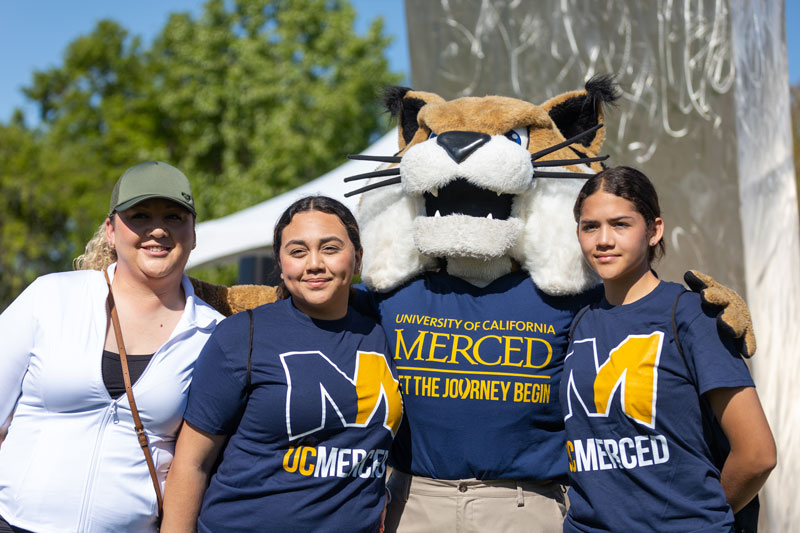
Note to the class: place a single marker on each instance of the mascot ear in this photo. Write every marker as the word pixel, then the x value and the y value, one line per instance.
pixel 577 111
pixel 404 105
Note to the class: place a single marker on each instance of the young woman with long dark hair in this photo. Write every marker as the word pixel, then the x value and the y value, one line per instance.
pixel 647 380
pixel 303 392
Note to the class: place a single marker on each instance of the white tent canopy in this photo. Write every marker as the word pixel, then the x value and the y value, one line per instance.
pixel 250 231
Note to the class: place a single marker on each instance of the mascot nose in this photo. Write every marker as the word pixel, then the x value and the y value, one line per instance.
pixel 460 144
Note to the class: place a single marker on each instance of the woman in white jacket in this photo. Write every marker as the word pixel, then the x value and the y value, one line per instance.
pixel 71 460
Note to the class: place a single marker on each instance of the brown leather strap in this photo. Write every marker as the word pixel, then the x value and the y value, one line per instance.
pixel 140 434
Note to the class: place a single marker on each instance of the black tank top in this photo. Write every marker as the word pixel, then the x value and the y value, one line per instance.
pixel 112 371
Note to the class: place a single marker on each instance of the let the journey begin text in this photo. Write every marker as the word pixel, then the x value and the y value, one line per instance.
pixel 476 389
pixel 500 360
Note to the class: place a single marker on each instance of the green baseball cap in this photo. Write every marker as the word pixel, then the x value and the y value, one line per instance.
pixel 151 179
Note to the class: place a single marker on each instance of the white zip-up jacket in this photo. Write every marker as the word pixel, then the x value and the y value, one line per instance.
pixel 71 460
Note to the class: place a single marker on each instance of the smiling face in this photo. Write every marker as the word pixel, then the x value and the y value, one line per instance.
pixel 152 239
pixel 615 239
pixel 318 261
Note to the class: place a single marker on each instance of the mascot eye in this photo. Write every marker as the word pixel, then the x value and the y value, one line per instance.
pixel 432 135
pixel 519 136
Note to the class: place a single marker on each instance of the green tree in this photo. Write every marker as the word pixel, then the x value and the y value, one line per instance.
pixel 250 99
pixel 265 96
pixel 44 212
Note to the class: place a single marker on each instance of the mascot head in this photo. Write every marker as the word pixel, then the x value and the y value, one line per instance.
pixel 481 186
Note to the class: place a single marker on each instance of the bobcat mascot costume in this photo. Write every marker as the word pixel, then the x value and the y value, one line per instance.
pixel 472 266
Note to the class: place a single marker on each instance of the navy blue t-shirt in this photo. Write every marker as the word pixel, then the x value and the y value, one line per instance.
pixel 309 444
pixel 637 423
pixel 480 369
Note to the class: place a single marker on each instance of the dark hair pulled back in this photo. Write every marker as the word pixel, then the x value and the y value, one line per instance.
pixel 323 204
pixel 632 185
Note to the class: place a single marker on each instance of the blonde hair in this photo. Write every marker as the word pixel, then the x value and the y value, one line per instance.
pixel 98 254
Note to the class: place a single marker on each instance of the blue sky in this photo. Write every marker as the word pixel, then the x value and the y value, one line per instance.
pixel 34 34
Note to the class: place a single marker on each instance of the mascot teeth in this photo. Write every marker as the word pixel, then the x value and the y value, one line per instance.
pixel 462 197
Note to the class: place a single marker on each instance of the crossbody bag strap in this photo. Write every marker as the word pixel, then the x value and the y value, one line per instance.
pixel 137 421
pixel 249 350
pixel 675 328
pixel 575 321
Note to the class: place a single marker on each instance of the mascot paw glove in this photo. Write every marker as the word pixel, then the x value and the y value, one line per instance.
pixel 231 300
pixel 733 317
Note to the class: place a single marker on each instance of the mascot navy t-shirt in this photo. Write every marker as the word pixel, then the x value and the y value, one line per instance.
pixel 637 429
pixel 310 442
pixel 480 369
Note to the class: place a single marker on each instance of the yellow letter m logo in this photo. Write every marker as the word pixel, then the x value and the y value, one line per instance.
pixel 319 393
pixel 631 371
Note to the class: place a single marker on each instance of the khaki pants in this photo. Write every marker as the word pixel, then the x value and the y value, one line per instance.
pixel 422 505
